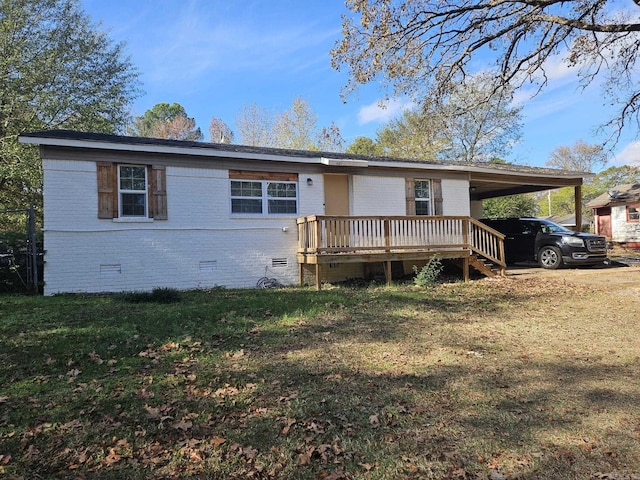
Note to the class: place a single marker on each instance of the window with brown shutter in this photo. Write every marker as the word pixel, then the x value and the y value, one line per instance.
pixel 131 191
pixel 158 202
pixel 107 198
pixel 424 197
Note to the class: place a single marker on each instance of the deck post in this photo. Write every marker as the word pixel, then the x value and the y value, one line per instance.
pixel 301 274
pixel 318 278
pixel 387 272
pixel 465 269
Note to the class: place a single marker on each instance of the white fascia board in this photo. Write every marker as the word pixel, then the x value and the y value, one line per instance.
pixel 150 148
pixel 471 169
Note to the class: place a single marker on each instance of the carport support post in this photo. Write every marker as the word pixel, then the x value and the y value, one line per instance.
pixel 578 207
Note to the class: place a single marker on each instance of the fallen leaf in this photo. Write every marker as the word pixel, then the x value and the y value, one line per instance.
pixel 289 423
pixel 304 458
pixel 217 441
pixel 183 425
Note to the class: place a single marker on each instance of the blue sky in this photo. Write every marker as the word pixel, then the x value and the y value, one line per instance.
pixel 213 57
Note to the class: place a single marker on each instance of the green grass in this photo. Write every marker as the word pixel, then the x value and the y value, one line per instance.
pixel 485 380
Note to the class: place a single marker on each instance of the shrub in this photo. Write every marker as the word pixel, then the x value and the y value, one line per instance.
pixel 428 275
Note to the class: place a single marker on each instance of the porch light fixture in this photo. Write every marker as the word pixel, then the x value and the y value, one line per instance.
pixel 310 181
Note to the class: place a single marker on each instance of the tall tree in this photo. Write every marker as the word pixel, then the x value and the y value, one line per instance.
pixel 177 128
pixel 255 126
pixel 219 131
pixel 363 146
pixel 330 139
pixel 168 121
pixel 57 70
pixel 415 135
pixel 613 176
pixel 295 128
pixel 414 46
pixel 580 157
pixel 478 123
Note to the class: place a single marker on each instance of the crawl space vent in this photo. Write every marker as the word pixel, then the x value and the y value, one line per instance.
pixel 112 269
pixel 208 266
pixel 279 262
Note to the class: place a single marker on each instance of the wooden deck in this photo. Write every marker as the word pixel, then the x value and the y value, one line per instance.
pixel 326 239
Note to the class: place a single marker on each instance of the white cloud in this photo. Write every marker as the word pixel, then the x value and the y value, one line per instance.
pixel 383 110
pixel 629 155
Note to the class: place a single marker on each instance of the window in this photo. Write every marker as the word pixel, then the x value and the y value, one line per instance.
pixel 132 190
pixel 246 197
pixel 282 198
pixel 633 213
pixel 423 197
pixel 262 195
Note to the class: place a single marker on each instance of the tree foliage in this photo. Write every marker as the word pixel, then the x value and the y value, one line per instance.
pixel 561 200
pixel 459 127
pixel 415 135
pixel 57 70
pixel 220 132
pixel 255 125
pixel 580 157
pixel 511 206
pixel 364 146
pixel 330 139
pixel 169 121
pixel 614 176
pixel 478 121
pixel 416 46
pixel 295 128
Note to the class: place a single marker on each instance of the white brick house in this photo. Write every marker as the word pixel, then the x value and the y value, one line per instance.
pixel 123 213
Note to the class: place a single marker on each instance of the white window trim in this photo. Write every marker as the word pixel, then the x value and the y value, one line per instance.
pixel 265 199
pixel 124 218
pixel 429 200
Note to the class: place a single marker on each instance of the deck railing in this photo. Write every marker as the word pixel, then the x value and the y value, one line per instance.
pixel 324 234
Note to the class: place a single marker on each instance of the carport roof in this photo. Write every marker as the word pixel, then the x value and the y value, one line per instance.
pixel 486 180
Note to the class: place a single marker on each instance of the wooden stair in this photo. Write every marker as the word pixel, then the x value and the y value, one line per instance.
pixel 485 266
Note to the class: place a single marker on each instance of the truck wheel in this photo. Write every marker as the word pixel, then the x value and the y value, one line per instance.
pixel 550 258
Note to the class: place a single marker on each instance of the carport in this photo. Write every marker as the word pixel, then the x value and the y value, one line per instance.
pixel 504 180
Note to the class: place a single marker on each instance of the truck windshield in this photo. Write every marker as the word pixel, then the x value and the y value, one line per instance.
pixel 550 227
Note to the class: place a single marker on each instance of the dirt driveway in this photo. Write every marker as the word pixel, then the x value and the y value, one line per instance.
pixel 621 274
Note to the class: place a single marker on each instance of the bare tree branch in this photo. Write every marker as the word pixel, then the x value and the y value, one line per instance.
pixel 418 47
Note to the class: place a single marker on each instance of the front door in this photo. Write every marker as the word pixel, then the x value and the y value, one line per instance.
pixel 604 221
pixel 336 194
pixel 336 202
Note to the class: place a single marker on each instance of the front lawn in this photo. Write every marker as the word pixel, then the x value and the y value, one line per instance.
pixel 493 379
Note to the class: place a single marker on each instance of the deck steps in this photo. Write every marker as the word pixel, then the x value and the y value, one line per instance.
pixel 484 266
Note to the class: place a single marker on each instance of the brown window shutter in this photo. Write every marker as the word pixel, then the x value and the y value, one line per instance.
pixel 437 196
pixel 158 191
pixel 107 190
pixel 410 187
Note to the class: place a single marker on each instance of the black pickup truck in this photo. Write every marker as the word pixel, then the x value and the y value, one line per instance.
pixel 549 244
